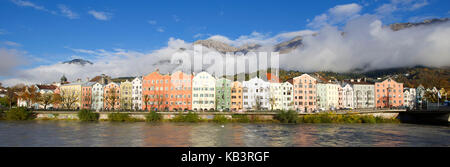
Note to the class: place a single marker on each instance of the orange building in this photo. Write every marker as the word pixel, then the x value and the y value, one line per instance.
pixel 304 93
pixel 86 95
pixel 236 96
pixel 388 94
pixel 155 91
pixel 180 91
pixel 111 96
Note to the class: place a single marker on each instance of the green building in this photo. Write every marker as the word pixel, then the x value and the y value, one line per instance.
pixel 223 94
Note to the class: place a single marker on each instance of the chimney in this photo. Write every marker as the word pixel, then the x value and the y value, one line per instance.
pixel 157 70
pixel 87 79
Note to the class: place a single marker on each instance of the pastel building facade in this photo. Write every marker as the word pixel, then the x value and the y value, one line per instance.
pixel 203 92
pixel 236 96
pixel 305 93
pixel 275 96
pixel 156 91
pixel 256 94
pixel 389 93
pixel 136 94
pixel 347 96
pixel 223 94
pixel 287 97
pixel 86 94
pixel 328 96
pixel 363 95
pixel 72 90
pixel 97 96
pixel 409 95
pixel 126 89
pixel 180 91
pixel 111 96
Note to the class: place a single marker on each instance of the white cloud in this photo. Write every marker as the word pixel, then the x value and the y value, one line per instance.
pixel 388 9
pixel 336 15
pixel 65 11
pixel 11 58
pixel 11 43
pixel 28 4
pixel 160 29
pixel 152 22
pixel 100 15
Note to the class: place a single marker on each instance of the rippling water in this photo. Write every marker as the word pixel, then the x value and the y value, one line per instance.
pixel 72 133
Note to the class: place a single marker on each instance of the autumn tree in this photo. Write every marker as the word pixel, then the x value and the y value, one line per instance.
pixel 46 99
pixel 30 95
pixel 112 98
pixel 69 98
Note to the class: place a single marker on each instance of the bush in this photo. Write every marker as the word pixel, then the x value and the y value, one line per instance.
pixel 189 117
pixel 240 118
pixel 88 115
pixel 220 119
pixel 346 118
pixel 153 116
pixel 19 114
pixel 119 117
pixel 287 116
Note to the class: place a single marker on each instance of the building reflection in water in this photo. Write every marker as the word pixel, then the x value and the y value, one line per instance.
pixel 167 135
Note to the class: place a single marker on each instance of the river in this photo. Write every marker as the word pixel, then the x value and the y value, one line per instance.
pixel 141 134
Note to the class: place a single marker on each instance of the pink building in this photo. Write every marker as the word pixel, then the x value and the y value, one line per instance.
pixel 388 94
pixel 304 93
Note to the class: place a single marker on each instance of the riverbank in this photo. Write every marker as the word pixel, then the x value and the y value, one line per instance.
pixel 225 117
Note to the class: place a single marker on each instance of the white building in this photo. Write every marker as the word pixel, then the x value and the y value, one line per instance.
pixel 203 92
pixel 256 91
pixel 97 96
pixel 327 96
pixel 287 100
pixel 347 96
pixel 409 95
pixel 363 95
pixel 137 93
pixel 275 96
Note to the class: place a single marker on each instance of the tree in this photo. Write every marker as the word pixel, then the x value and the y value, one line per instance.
pixel 46 99
pixel 146 99
pixel 11 94
pixel 56 99
pixel 68 98
pixel 257 105
pixel 272 101
pixel 30 95
pixel 112 98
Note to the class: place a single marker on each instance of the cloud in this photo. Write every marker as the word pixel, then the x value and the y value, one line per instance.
pixel 100 15
pixel 65 11
pixel 11 59
pixel 29 4
pixel 336 15
pixel 152 22
pixel 388 9
pixel 366 44
pixel 11 43
pixel 160 29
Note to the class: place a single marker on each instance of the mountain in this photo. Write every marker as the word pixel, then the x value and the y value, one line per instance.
pixel 289 45
pixel 401 26
pixel 78 62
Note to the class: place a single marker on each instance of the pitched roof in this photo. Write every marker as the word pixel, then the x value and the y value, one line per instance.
pixel 48 87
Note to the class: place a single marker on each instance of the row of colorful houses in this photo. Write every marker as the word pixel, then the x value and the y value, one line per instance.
pixel 200 92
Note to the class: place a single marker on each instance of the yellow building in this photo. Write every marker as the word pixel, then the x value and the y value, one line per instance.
pixel 126 97
pixel 71 95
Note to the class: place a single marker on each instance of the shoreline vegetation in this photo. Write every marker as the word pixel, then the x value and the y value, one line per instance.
pixel 285 117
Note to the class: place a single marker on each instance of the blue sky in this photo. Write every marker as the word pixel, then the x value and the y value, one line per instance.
pixel 44 31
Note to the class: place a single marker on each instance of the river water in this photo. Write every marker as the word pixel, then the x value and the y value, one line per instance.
pixel 73 133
